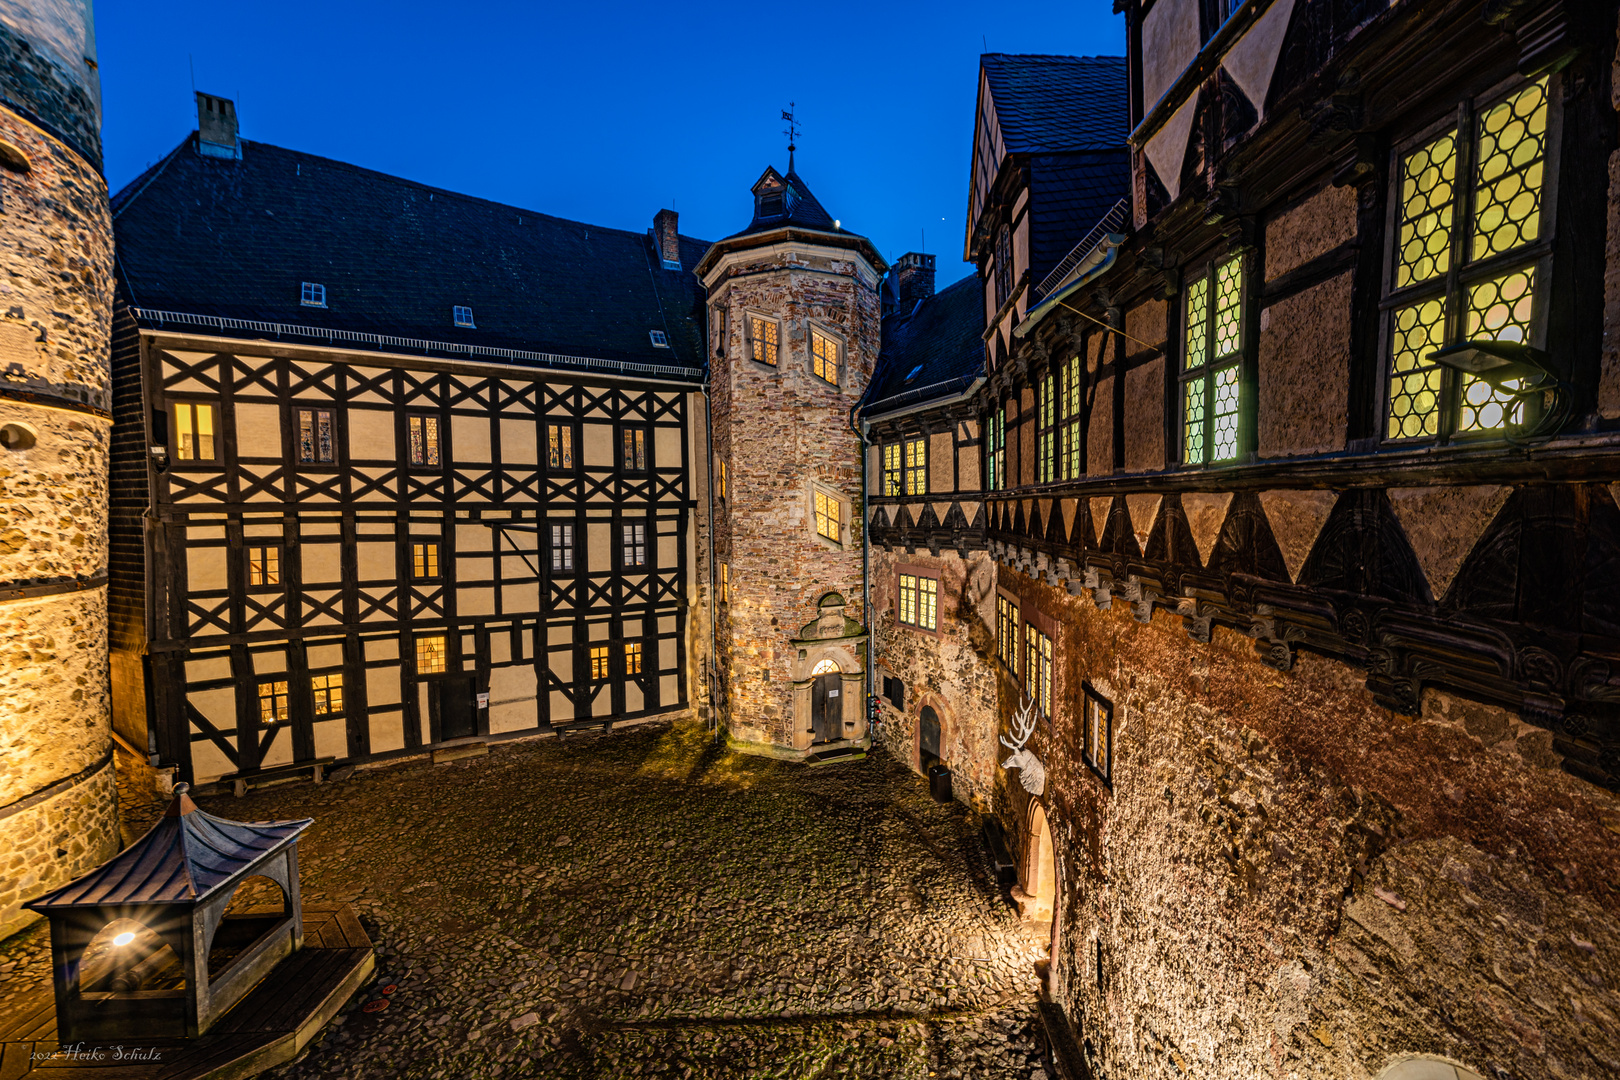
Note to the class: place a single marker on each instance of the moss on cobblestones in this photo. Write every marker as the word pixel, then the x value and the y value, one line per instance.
pixel 643 904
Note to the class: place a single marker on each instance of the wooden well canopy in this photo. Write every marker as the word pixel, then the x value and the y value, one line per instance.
pixel 176 963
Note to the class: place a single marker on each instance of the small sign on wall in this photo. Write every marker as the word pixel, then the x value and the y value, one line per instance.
pixel 832 693
pixel 483 701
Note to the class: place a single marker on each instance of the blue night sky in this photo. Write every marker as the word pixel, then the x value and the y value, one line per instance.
pixel 600 112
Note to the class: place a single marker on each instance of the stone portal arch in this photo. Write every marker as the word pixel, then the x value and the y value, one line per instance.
pixel 1428 1068
pixel 1040 866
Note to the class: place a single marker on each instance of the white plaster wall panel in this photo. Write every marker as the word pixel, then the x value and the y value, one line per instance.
pixel 371 435
pixel 519 441
pixel 258 430
pixel 470 438
pixel 1167 149
pixel 382 686
pixel 387 731
pixel 1252 59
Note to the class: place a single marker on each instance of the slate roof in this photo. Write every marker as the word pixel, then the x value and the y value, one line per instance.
pixel 186 855
pixel 1069 194
pixel 1053 104
pixel 237 238
pixel 806 211
pixel 940 338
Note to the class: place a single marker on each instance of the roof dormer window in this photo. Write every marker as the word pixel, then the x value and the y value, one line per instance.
pixel 659 340
pixel 314 294
pixel 772 204
pixel 463 316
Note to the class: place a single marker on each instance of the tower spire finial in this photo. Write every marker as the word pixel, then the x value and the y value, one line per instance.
pixel 791 131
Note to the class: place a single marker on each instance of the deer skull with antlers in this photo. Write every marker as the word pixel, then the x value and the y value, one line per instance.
pixel 1031 773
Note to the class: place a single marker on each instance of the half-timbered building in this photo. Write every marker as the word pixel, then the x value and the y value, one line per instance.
pixel 1298 482
pixel 394 468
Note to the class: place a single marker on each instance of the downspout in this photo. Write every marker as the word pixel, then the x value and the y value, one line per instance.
pixel 714 606
pixel 866 568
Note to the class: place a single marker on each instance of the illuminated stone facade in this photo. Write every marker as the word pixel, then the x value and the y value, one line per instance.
pixel 58 814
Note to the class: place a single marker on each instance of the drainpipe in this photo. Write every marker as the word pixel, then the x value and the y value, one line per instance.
pixel 714 606
pixel 866 567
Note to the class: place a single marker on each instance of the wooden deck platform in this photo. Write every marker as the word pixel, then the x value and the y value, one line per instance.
pixel 270 1026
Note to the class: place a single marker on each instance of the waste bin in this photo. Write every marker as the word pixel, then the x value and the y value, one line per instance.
pixel 939 781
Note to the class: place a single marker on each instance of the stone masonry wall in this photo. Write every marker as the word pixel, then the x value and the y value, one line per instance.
pixel 58 806
pixel 780 431
pixel 950 671
pixel 1284 879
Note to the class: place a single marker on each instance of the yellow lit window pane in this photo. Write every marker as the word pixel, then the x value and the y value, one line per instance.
pixel 599 662
pixel 1414 383
pixel 194 432
pixel 1228 307
pixel 824 357
pixel 272 702
pixel 1428 176
pixel 328 693
pixel 264 566
pixel 1501 309
pixel 1193 422
pixel 1511 153
pixel 560 446
pixel 763 335
pixel 1197 317
pixel 927 603
pixel 1226 414
pixel 725 583
pixel 430 655
pixel 425 560
pixel 908 599
pixel 828 517
pixel 892 473
pixel 632 658
pixel 916 466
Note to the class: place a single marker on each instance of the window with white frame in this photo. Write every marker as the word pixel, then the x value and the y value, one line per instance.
pixel 562 548
pixel 1046 460
pixel 463 316
pixel 314 294
pixel 635 545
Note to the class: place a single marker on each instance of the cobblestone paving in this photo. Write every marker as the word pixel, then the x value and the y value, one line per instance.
pixel 643 905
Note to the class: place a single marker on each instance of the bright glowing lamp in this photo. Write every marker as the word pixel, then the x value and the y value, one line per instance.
pixel 123 939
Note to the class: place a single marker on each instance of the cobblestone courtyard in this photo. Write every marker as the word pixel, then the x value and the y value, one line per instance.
pixel 643 905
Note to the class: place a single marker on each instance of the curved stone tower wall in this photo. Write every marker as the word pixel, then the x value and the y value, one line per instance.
pixel 58 804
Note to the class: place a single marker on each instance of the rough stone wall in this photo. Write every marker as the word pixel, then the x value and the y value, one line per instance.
pixel 1304 391
pixel 58 808
pixel 1283 879
pixel 1609 379
pixel 781 431
pixel 950 671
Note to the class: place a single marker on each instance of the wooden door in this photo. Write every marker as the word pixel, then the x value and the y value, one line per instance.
pixel 827 708
pixel 928 737
pixel 455 702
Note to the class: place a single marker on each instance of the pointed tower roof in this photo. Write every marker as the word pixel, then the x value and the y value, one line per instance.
pixel 181 860
pixel 786 205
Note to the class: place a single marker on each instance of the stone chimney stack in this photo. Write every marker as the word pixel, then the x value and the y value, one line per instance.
pixel 669 241
pixel 913 277
pixel 216 127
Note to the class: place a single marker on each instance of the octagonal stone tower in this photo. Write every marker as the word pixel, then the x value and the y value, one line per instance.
pixel 794 325
pixel 58 807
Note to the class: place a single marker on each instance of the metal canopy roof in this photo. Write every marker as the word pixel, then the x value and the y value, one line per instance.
pixel 186 856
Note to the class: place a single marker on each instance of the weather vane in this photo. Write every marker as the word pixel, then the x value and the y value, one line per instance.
pixel 791 131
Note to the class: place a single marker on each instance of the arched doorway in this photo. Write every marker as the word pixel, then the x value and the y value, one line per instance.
pixel 1428 1068
pixel 1040 867
pixel 927 738
pixel 826 708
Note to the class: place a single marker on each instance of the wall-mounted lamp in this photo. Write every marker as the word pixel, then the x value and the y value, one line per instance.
pixel 1501 362
pixel 160 457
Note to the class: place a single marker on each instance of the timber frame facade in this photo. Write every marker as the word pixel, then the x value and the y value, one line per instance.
pixel 496 632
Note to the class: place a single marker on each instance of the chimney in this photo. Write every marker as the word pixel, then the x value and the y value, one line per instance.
pixel 669 241
pixel 216 127
pixel 913 277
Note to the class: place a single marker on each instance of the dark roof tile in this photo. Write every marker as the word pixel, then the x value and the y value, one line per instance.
pixel 1052 104
pixel 939 338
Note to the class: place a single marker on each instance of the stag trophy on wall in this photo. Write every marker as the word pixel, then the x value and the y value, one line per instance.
pixel 1031 773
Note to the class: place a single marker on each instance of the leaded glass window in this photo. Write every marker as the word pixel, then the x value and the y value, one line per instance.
pixel 919 601
pixel 1069 467
pixel 829 516
pixel 823 356
pixel 1038 667
pixel 560 447
pixel 633 449
pixel 1213 344
pixel 1046 431
pixel 893 474
pixel 916 466
pixel 317 440
pixel 431 654
pixel 1007 633
pixel 1468 251
pixel 996 448
pixel 424 440
pixel 762 341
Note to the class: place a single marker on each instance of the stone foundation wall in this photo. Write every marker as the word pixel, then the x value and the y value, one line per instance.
pixel 47 843
pixel 949 671
pixel 1280 878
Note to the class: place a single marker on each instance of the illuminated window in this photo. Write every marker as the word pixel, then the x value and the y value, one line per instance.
pixel 1462 266
pixel 424 439
pixel 431 656
pixel 314 294
pixel 632 658
pixel 916 461
pixel 823 356
pixel 1046 430
pixel 1069 467
pixel 462 316
pixel 1038 667
pixel 725 480
pixel 328 692
pixel 633 449
pixel 1007 633
pixel 1209 380
pixel 893 475
pixel 599 661
pixel 635 545
pixel 424 561
pixel 273 702
pixel 562 549
pixel 995 446
pixel 829 516
pixel 264 567
pixel 919 601
pixel 316 442
pixel 762 339
pixel 725 583
pixel 560 447
pixel 1097 740
pixel 193 431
